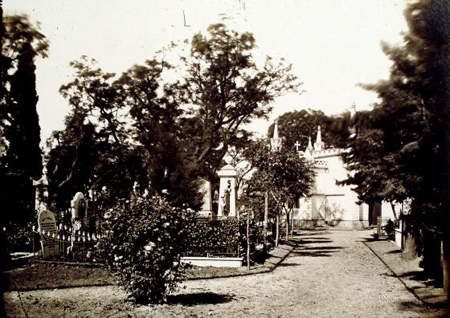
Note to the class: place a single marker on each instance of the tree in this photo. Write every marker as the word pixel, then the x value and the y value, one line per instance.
pixel 20 155
pixel 172 133
pixel 412 123
pixel 298 126
pixel 93 152
pixel 169 164
pixel 284 175
pixel 122 136
pixel 374 171
pixel 19 122
pixel 226 90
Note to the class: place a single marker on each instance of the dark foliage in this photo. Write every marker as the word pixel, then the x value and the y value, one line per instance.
pixel 19 122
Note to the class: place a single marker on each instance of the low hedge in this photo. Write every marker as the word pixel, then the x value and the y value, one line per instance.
pixel 227 237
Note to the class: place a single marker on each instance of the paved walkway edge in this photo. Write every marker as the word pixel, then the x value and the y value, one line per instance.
pixel 386 251
pixel 277 255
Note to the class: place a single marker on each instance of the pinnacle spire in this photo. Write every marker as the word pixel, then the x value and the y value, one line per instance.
pixel 275 142
pixel 309 150
pixel 353 111
pixel 352 127
pixel 310 147
pixel 318 145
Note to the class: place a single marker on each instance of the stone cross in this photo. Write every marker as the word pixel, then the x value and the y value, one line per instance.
pixel 297 145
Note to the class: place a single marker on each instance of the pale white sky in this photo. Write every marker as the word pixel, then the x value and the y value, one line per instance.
pixel 332 44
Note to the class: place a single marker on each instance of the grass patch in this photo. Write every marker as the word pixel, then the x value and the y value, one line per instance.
pixel 49 275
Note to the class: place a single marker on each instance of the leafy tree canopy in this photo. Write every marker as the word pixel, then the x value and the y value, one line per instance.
pixel 147 134
pixel 227 89
pixel 407 130
pixel 284 174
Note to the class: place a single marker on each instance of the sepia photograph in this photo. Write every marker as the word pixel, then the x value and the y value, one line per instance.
pixel 225 158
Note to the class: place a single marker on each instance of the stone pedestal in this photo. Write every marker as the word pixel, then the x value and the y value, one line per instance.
pixel 206 210
pixel 227 192
pixel 79 208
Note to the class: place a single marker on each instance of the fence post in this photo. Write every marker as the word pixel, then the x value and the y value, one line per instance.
pixel 248 240
pixel 32 239
pixel 379 226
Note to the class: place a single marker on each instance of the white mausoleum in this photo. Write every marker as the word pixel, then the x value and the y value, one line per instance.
pixel 329 203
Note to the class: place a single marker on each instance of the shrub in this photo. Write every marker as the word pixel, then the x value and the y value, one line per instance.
pixel 143 246
pixel 216 238
pixel 19 237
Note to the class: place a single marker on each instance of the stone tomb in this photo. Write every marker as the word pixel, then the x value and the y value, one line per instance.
pixel 227 191
pixel 48 228
pixel 79 208
pixel 207 209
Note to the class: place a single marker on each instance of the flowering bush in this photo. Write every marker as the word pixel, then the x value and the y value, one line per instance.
pixel 143 246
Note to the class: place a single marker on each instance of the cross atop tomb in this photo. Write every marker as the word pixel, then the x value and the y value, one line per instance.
pixel 297 145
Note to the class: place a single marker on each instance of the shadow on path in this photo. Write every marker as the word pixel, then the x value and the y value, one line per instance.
pixel 289 265
pixel 312 233
pixel 199 298
pixel 315 240
pixel 414 307
pixel 314 253
pixel 423 277
pixel 310 245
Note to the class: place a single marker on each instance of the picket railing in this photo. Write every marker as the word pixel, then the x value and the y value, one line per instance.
pixel 68 237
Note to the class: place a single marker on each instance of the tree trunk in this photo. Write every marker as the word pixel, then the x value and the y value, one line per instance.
pixel 266 218
pixel 410 250
pixel 292 224
pixel 248 240
pixel 287 225
pixel 446 197
pixel 431 262
pixel 445 258
pixel 277 229
pixel 445 166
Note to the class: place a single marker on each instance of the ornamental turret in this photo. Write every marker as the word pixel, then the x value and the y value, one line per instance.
pixel 352 129
pixel 318 145
pixel 309 150
pixel 275 142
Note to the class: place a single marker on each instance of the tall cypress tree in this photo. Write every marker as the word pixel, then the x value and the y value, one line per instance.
pixel 19 121
pixel 24 152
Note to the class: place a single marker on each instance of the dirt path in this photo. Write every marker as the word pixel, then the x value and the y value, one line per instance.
pixel 331 274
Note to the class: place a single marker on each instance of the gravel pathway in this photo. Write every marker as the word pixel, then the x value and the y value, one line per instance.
pixel 330 274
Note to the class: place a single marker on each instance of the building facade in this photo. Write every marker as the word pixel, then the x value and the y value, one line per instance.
pixel 329 203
